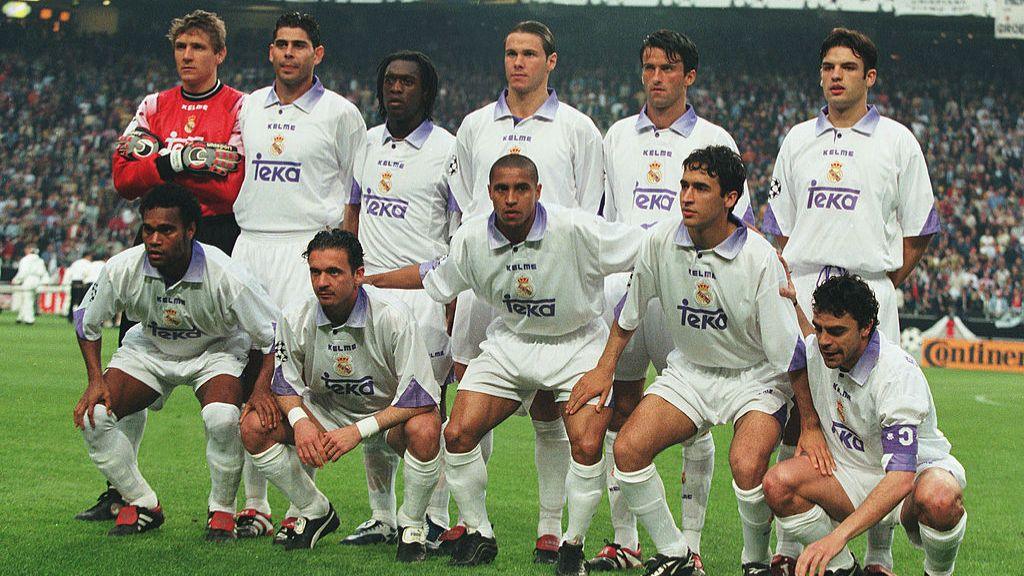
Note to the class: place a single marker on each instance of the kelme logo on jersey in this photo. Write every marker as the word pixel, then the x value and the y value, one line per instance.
pixel 653 198
pixel 831 197
pixel 530 308
pixel 350 386
pixel 701 318
pixel 847 437
pixel 384 206
pixel 275 170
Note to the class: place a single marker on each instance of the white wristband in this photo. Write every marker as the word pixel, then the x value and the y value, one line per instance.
pixel 296 414
pixel 176 162
pixel 367 427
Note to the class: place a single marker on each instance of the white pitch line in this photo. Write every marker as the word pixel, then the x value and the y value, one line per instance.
pixel 983 400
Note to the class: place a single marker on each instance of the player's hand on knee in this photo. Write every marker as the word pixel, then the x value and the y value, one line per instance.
pixel 95 393
pixel 206 159
pixel 815 558
pixel 340 441
pixel 594 384
pixel 812 443
pixel 309 443
pixel 266 409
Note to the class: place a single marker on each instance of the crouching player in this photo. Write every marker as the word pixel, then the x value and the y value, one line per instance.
pixel 351 367
pixel 198 313
pixel 738 354
pixel 892 461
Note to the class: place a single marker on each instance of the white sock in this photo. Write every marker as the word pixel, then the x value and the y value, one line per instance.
pixel 785 544
pixel 879 548
pixel 645 494
pixel 813 525
pixel 381 465
pixel 293 511
pixel 255 487
pixel 112 453
pixel 941 548
pixel 623 521
pixel 420 480
pixel 437 509
pixel 552 456
pixel 584 488
pixel 467 478
pixel 224 454
pixel 133 425
pixel 698 467
pixel 280 464
pixel 756 519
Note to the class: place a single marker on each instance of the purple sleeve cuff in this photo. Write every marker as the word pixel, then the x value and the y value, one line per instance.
pixel 931 225
pixel 355 195
pixel 618 307
pixel 902 463
pixel 748 216
pixel 280 386
pixel 79 316
pixel 453 204
pixel 426 267
pixel 770 224
pixel 799 360
pixel 415 397
pixel 900 442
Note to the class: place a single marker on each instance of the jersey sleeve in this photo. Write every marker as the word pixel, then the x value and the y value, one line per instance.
pixel 134 177
pixel 444 279
pixel 289 355
pixel 611 212
pixel 744 208
pixel 100 304
pixel 416 384
pixel 781 338
pixel 641 289
pixel 612 245
pixel 902 405
pixel 916 209
pixel 588 165
pixel 460 169
pixel 351 146
pixel 780 214
pixel 256 314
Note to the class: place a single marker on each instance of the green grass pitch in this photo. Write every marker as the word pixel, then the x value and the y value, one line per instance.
pixel 46 477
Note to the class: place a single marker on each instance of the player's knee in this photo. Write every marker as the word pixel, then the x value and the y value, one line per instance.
pixel 254 435
pixel 777 489
pixel 102 422
pixel 588 449
pixel 940 506
pixel 630 454
pixel 747 469
pixel 221 420
pixel 423 433
pixel 459 439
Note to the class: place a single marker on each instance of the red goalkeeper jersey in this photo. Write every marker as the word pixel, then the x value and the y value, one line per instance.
pixel 178 118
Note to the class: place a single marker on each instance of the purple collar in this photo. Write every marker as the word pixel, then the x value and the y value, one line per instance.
pixel 546 111
pixel 728 248
pixel 417 138
pixel 868 360
pixel 683 125
pixel 495 239
pixel 196 266
pixel 356 318
pixel 865 125
pixel 306 102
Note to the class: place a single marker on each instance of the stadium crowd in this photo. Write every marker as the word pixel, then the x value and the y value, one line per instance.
pixel 59 124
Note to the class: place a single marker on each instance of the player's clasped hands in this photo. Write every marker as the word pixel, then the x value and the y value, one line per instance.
pixel 595 383
pixel 95 393
pixel 340 441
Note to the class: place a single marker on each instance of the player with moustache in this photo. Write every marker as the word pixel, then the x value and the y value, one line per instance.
pixel 405 217
pixel 643 168
pixel 542 268
pixel 529 119
pixel 738 358
pixel 199 314
pixel 351 369
pixel 891 459
pixel 850 193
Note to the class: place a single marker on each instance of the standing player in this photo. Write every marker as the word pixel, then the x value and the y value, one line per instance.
pixel 301 141
pixel 351 368
pixel 74 277
pixel 738 356
pixel 543 270
pixel 31 274
pixel 404 218
pixel 851 193
pixel 199 312
pixel 565 145
pixel 892 461
pixel 188 135
pixel 643 166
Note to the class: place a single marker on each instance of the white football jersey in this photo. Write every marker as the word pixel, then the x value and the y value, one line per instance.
pixel 644 166
pixel 373 360
pixel 722 306
pixel 405 212
pixel 549 285
pixel 848 196
pixel 299 161
pixel 213 304
pixel 562 141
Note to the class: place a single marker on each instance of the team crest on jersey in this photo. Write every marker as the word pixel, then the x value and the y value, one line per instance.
pixel 343 365
pixel 702 293
pixel 171 317
pixel 654 173
pixel 385 181
pixel 524 289
pixel 841 410
pixel 835 172
pixel 190 124
pixel 277 146
pixel 515 150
